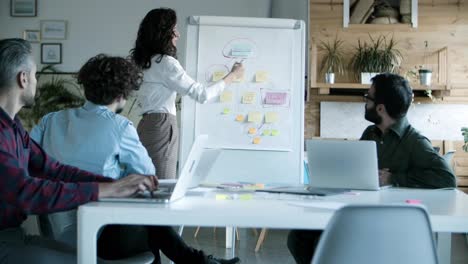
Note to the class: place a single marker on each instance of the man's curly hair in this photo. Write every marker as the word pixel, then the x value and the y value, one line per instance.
pixel 105 78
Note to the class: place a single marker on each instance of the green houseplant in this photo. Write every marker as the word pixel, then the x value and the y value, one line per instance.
pixel 377 56
pixel 51 95
pixel 332 62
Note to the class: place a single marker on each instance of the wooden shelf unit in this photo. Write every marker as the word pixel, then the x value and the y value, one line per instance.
pixel 324 88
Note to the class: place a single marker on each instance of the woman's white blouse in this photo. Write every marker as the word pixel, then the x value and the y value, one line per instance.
pixel 162 81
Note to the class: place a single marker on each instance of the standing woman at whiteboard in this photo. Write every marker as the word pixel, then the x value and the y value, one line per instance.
pixel 156 53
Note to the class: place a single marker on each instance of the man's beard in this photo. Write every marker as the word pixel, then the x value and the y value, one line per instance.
pixel 372 116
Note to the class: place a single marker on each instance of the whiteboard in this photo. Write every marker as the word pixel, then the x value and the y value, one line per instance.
pixel 258 120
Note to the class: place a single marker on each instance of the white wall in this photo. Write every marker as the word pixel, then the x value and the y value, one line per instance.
pixel 435 121
pixel 186 8
pixel 293 9
pixel 110 26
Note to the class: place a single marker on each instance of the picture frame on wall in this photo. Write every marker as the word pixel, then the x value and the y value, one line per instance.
pixel 53 29
pixel 33 36
pixel 23 8
pixel 51 53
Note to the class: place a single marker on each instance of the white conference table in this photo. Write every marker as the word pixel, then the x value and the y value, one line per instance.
pixel 448 210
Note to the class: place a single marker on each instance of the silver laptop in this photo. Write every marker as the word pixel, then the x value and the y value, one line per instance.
pixel 343 164
pixel 337 166
pixel 191 175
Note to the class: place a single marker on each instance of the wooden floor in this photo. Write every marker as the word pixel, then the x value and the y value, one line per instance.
pixel 274 249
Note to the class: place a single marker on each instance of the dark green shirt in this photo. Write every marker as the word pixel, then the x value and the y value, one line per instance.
pixel 410 157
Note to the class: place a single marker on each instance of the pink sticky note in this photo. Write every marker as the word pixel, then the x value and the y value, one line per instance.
pixel 413 201
pixel 275 98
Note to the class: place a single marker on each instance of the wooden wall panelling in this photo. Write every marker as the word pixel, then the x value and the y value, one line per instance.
pixel 443 23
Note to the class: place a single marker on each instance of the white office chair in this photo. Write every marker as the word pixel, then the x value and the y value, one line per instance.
pixel 381 234
pixel 63 227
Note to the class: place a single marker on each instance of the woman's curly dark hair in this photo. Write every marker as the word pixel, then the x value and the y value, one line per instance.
pixel 155 37
pixel 105 78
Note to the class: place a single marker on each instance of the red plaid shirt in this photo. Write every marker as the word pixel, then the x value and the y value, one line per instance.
pixel 31 182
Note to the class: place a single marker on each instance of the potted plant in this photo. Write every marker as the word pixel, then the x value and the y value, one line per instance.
pixel 52 95
pixel 332 62
pixel 425 76
pixel 377 56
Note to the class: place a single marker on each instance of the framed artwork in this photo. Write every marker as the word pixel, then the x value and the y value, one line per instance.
pixel 23 8
pixel 51 53
pixel 53 29
pixel 33 36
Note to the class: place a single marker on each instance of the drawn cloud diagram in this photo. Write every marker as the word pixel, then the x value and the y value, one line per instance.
pixel 240 48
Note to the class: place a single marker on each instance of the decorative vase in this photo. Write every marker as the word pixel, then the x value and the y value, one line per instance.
pixel 329 77
pixel 367 76
pixel 425 77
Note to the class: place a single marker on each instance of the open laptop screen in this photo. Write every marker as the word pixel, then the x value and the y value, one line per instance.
pixel 346 164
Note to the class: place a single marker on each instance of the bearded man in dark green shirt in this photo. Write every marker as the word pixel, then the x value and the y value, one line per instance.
pixel 406 158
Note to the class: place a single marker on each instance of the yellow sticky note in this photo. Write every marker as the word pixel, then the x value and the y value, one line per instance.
pixel 223 197
pixel 256 140
pixel 271 117
pixel 239 118
pixel 275 132
pixel 245 197
pixel 218 75
pixel 225 97
pixel 261 76
pixel 252 130
pixel 226 111
pixel 255 117
pixel 248 98
pixel 266 132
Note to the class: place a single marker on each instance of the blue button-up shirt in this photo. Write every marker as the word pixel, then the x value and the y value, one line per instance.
pixel 95 139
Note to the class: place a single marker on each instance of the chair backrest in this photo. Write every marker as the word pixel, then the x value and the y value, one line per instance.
pixel 449 157
pixel 381 234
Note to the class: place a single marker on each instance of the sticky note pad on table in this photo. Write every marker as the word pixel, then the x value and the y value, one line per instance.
pixel 223 197
pixel 271 117
pixel 266 132
pixel 255 117
pixel 248 98
pixel 218 75
pixel 252 130
pixel 226 97
pixel 261 76
pixel 256 140
pixel 275 132
pixel 239 118
pixel 245 197
pixel 275 98
pixel 226 111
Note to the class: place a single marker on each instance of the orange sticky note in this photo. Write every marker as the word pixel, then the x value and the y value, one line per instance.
pixel 256 140
pixel 252 130
pixel 239 118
